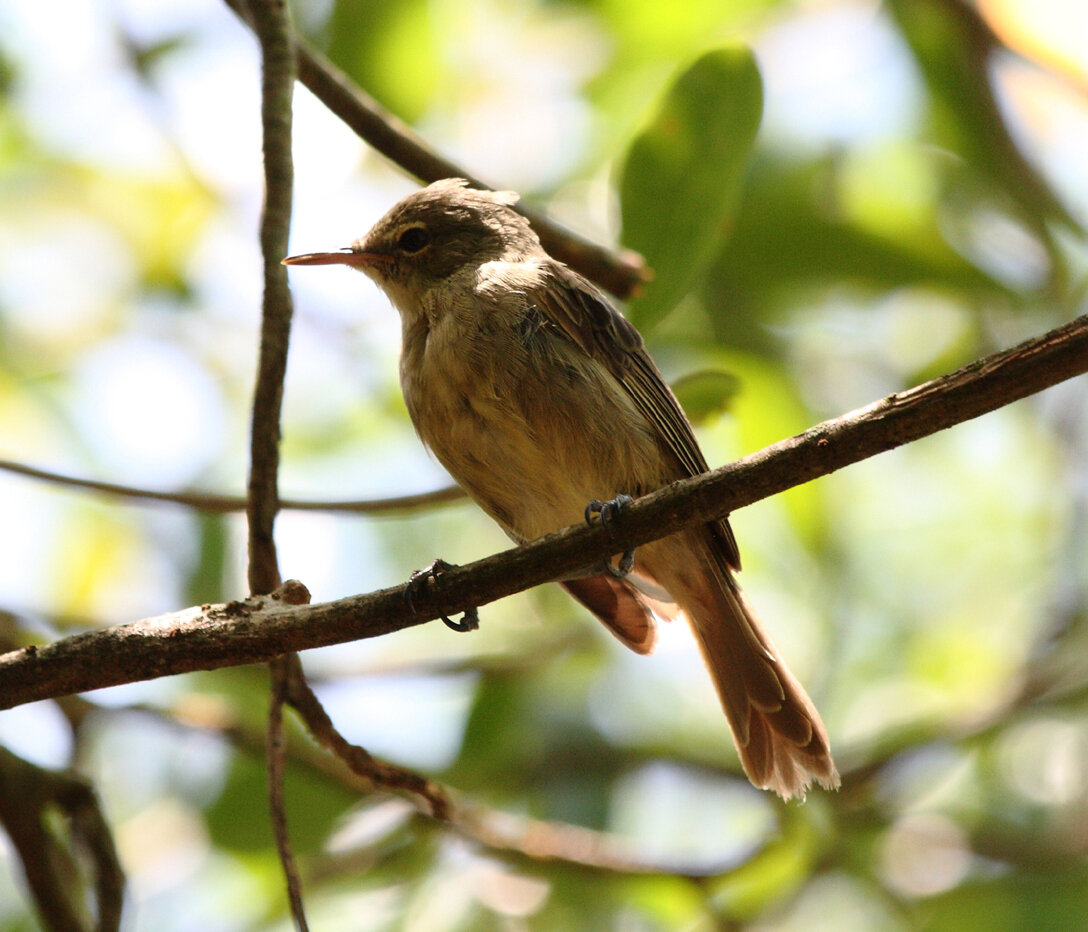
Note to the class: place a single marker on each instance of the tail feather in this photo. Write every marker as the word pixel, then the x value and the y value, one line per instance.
pixel 778 732
pixel 623 610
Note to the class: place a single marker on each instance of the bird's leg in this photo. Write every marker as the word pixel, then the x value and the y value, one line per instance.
pixel 609 511
pixel 417 583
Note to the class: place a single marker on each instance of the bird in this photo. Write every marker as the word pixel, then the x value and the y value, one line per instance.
pixel 539 398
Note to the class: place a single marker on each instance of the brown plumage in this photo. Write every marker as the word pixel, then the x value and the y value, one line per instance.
pixel 538 396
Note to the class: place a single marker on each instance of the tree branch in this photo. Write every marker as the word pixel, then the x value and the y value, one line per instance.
pixel 620 273
pixel 271 23
pixel 211 636
pixel 30 796
pixel 281 670
pixel 215 503
pixel 522 839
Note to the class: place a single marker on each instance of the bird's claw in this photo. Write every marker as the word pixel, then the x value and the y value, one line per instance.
pixel 626 564
pixel 417 583
pixel 470 621
pixel 609 511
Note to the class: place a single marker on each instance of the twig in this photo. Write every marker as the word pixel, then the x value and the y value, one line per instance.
pixel 521 838
pixel 272 26
pixel 211 636
pixel 275 754
pixel 620 273
pixel 269 21
pixel 215 503
pixel 379 773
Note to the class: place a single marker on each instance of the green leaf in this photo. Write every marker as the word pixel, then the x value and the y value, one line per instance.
pixel 768 408
pixel 683 174
pixel 793 237
pixel 238 819
pixel 390 49
pixel 705 393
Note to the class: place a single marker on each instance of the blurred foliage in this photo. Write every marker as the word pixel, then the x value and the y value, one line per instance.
pixel 913 198
pixel 954 46
pixel 692 157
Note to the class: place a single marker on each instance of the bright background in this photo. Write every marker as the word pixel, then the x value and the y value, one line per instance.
pixel 934 599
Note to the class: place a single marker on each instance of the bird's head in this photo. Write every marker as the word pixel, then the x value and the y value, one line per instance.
pixel 433 233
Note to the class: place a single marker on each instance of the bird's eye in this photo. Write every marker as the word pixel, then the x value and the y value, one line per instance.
pixel 413 239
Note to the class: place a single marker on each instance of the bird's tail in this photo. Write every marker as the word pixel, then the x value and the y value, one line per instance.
pixel 778 732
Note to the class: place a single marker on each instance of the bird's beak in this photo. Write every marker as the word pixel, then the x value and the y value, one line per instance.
pixel 346 256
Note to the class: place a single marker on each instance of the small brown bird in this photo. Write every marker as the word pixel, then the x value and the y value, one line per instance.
pixel 539 397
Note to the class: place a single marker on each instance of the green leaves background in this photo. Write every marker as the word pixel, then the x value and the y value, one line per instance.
pixel 808 258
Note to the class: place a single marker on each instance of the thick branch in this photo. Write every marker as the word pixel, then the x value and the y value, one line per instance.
pixel 208 637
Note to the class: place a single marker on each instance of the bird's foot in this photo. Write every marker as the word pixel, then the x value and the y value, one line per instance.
pixel 417 584
pixel 609 511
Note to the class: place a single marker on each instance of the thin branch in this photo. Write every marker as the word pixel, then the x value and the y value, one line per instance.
pixel 271 23
pixel 215 503
pixel 521 838
pixel 280 669
pixel 29 797
pixel 620 273
pixel 361 762
pixel 561 842
pixel 211 636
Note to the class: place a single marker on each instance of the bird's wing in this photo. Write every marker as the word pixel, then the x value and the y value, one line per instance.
pixel 587 318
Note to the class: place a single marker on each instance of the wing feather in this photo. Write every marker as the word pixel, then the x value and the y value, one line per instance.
pixel 587 318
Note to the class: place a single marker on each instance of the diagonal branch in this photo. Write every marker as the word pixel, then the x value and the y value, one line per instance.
pixel 520 838
pixel 620 273
pixel 211 636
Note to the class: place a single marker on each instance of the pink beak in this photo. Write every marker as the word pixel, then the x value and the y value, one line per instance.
pixel 345 256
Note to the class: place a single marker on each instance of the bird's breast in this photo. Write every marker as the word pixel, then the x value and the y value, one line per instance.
pixel 529 425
